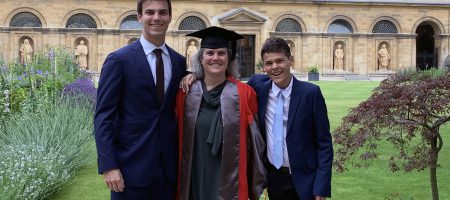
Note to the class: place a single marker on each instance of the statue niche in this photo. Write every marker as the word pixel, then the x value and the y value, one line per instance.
pixel 292 49
pixel 81 53
pixel 338 59
pixel 191 50
pixel 383 58
pixel 26 51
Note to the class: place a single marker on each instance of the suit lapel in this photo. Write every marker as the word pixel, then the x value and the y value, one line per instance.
pixel 293 104
pixel 144 67
pixel 175 67
pixel 263 106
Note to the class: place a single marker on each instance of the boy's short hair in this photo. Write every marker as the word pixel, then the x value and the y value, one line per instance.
pixel 275 45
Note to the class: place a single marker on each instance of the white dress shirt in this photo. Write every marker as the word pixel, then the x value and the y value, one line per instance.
pixel 270 114
pixel 151 58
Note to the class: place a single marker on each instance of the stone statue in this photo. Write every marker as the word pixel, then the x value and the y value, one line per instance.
pixel 191 50
pixel 383 58
pixel 25 52
pixel 81 55
pixel 339 58
pixel 292 49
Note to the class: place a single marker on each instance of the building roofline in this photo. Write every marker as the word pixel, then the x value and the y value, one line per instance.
pixel 414 3
pixel 387 2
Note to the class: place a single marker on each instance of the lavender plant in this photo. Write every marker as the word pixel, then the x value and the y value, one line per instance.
pixel 43 137
pixel 39 152
pixel 81 88
pixel 39 83
pixel 5 105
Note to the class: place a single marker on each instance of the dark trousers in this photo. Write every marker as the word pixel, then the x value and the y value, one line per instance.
pixel 158 189
pixel 280 184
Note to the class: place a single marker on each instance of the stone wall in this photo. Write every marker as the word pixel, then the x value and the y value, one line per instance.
pixel 313 45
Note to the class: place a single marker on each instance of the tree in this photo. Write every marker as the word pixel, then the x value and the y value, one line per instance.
pixel 407 110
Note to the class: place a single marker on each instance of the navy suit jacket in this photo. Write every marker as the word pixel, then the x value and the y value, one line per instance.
pixel 308 137
pixel 132 132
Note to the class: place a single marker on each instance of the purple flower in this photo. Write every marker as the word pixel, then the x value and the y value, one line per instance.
pixel 51 55
pixel 39 72
pixel 82 87
pixel 4 68
pixel 19 78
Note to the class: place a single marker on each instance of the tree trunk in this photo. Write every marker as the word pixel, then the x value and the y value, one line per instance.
pixel 433 165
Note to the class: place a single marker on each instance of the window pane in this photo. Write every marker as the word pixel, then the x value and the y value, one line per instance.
pixel 81 21
pixel 384 26
pixel 131 22
pixel 288 25
pixel 192 23
pixel 340 26
pixel 25 19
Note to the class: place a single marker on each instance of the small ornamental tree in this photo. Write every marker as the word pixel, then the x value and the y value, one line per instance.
pixel 407 110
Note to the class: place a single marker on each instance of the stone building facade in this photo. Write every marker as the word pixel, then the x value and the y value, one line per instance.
pixel 414 33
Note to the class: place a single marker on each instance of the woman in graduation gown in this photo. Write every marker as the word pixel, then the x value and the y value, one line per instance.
pixel 221 148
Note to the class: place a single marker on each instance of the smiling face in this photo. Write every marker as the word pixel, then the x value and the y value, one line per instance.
pixel 278 68
pixel 215 62
pixel 155 19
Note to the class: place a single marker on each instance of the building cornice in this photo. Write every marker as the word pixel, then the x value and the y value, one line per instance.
pixel 412 3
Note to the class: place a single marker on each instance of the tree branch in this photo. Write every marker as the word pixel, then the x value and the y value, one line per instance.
pixel 439 142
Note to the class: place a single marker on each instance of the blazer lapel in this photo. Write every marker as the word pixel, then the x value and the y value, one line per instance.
pixel 144 67
pixel 293 104
pixel 263 106
pixel 176 72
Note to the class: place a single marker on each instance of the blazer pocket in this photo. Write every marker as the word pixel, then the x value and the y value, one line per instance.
pixel 129 135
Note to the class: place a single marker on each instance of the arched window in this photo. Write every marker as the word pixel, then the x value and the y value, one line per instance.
pixel 340 26
pixel 384 26
pixel 192 23
pixel 288 25
pixel 81 21
pixel 25 19
pixel 130 22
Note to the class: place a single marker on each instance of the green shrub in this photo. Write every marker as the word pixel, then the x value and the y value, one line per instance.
pixel 413 74
pixel 40 82
pixel 313 69
pixel 40 151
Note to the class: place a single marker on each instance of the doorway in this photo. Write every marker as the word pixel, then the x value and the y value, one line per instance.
pixel 426 53
pixel 246 56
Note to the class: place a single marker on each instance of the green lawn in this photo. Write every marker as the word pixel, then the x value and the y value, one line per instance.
pixel 375 182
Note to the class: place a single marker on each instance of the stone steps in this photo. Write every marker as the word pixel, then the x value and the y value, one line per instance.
pixel 357 78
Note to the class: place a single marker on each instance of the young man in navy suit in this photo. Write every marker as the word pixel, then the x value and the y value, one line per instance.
pixel 294 121
pixel 135 126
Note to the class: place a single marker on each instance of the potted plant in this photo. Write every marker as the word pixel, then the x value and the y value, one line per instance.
pixel 259 67
pixel 313 73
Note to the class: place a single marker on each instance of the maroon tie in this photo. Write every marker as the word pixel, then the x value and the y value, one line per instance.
pixel 159 75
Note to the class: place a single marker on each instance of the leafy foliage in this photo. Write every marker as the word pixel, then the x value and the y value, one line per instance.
pixel 39 152
pixel 38 83
pixel 313 69
pixel 81 88
pixel 43 137
pixel 407 110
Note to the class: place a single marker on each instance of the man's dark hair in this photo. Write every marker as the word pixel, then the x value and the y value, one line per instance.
pixel 140 2
pixel 276 45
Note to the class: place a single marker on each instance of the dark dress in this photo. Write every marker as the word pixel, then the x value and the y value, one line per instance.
pixel 206 163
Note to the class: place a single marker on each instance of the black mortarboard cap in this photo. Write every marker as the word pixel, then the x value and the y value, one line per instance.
pixel 215 37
